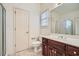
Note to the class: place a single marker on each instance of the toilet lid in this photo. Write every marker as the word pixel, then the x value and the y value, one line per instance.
pixel 36 42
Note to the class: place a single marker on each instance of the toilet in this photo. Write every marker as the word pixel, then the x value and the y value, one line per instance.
pixel 36 44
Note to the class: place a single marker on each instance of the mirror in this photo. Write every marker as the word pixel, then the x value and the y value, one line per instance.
pixel 65 19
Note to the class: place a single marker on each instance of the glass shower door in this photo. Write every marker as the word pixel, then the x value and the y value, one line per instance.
pixel 2 30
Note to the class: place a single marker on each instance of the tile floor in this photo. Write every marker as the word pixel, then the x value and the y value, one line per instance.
pixel 29 52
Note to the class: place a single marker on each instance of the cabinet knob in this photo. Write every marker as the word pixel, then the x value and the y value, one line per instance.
pixel 63 54
pixel 75 52
pixel 52 50
pixel 45 46
pixel 55 52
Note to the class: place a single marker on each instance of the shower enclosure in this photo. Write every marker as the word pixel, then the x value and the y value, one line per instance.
pixel 2 30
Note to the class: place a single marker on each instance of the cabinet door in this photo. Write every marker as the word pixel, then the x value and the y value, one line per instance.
pixel 56 48
pixel 59 52
pixel 44 50
pixel 55 52
pixel 51 51
pixel 72 51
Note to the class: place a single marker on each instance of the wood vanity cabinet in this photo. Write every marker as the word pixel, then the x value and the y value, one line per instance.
pixel 55 48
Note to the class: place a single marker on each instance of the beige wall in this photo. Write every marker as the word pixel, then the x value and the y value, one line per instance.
pixel 33 23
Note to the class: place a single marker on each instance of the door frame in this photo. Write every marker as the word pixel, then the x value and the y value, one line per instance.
pixel 14 28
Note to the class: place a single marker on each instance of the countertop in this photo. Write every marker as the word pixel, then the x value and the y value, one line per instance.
pixel 66 40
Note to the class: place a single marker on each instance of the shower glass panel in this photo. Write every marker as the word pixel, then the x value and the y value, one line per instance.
pixel 2 30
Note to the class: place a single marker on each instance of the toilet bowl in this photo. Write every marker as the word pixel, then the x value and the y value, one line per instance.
pixel 35 45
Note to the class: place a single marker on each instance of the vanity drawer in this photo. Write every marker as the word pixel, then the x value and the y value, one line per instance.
pixel 57 45
pixel 72 51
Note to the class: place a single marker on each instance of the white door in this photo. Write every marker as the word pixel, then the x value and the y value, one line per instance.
pixel 21 29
